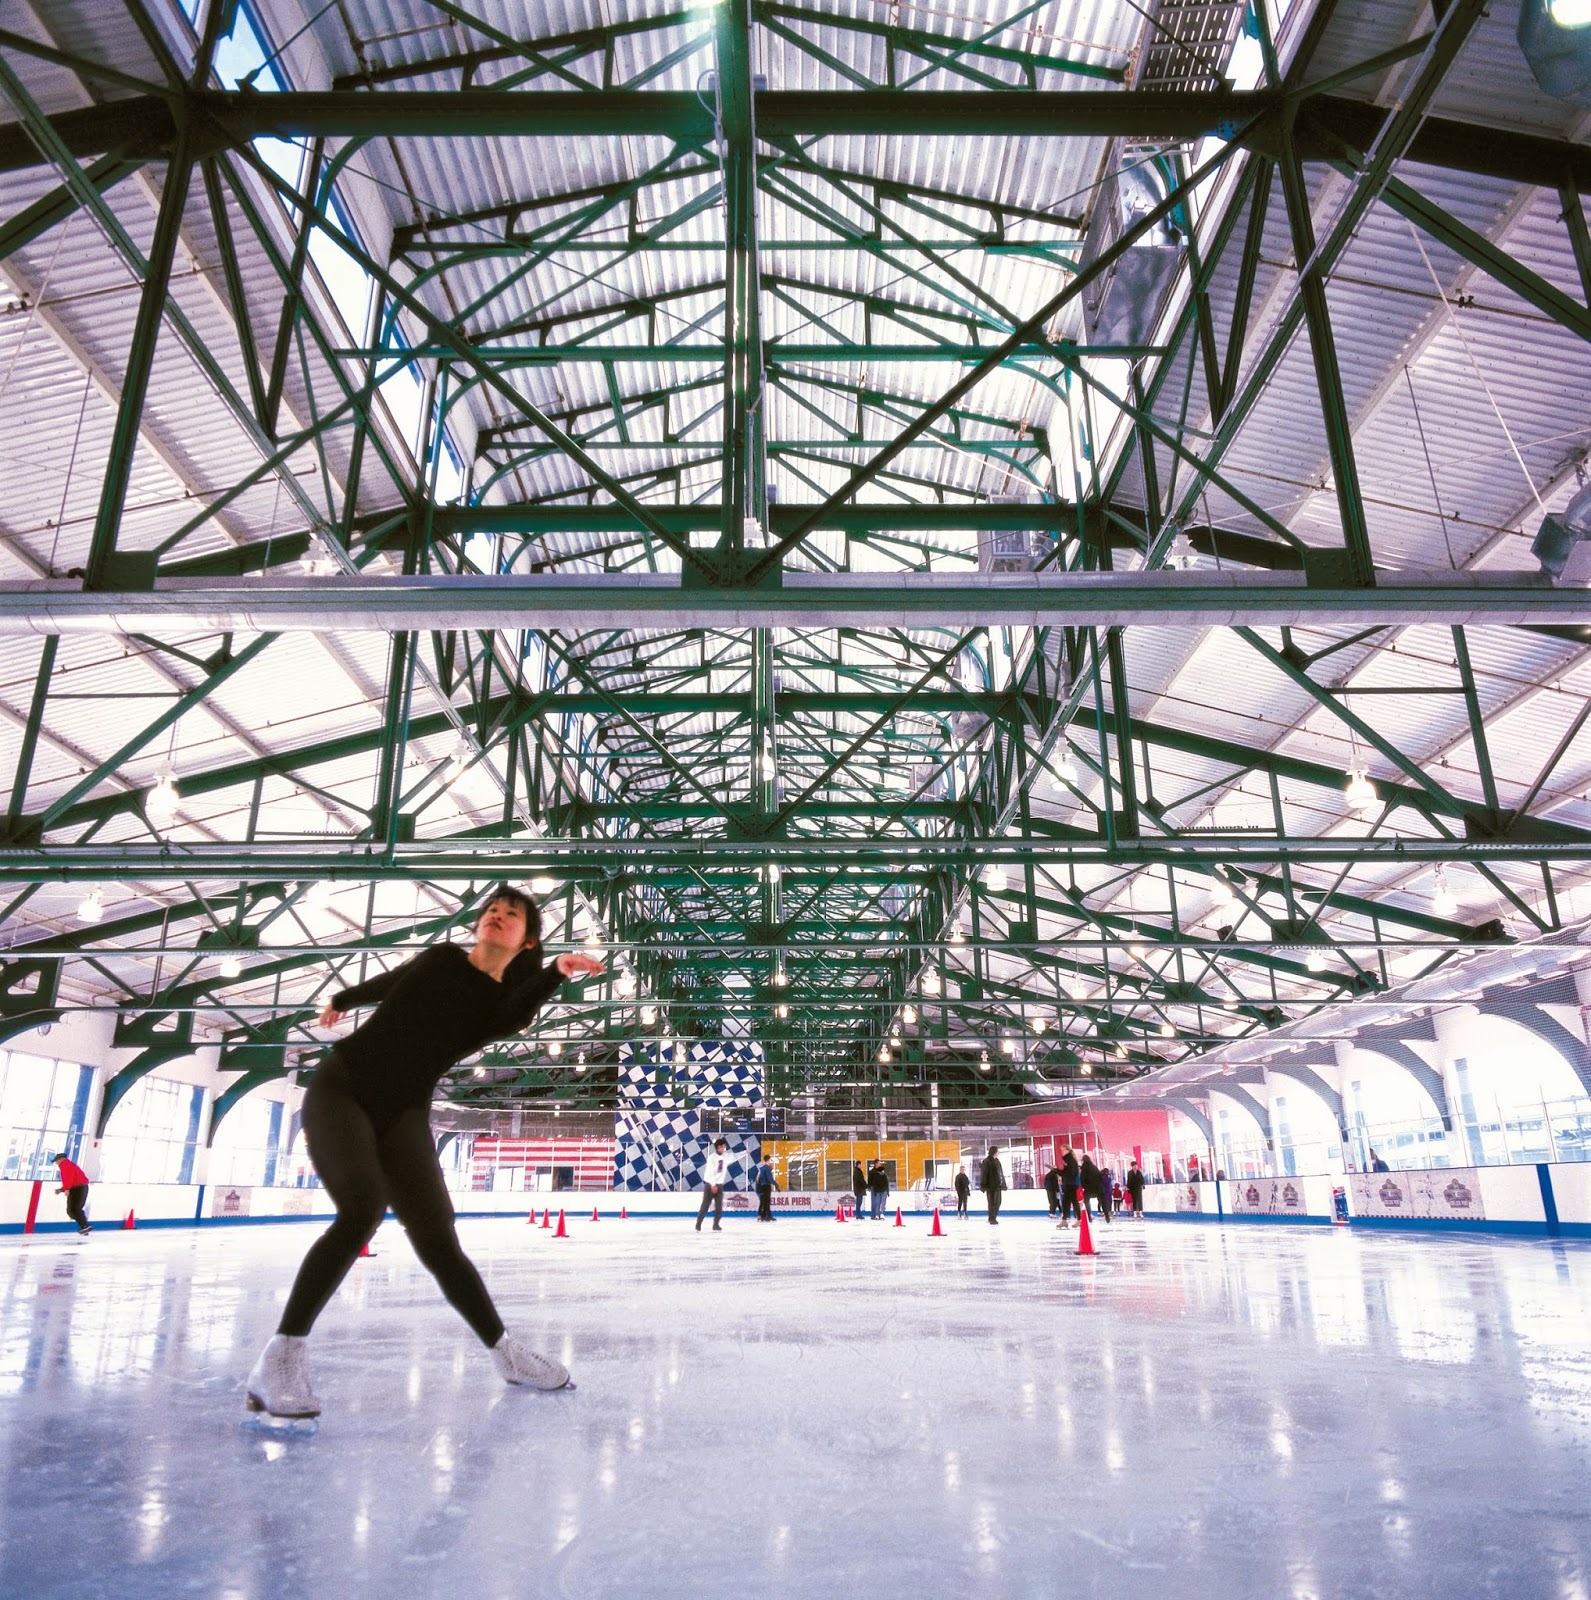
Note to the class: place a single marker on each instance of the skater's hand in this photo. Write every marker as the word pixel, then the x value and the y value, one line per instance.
pixel 330 1017
pixel 576 964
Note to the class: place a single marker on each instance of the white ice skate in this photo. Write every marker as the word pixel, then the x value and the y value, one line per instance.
pixel 518 1363
pixel 279 1383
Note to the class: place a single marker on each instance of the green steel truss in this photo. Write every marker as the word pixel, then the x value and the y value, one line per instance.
pixel 840 838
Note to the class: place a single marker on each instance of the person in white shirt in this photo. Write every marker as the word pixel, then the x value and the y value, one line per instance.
pixel 714 1176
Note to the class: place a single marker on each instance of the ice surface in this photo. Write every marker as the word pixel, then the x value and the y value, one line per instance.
pixel 809 1409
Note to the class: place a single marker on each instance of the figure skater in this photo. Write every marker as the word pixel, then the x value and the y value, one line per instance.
pixel 366 1122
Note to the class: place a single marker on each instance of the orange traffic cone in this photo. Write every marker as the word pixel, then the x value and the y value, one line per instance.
pixel 1085 1239
pixel 596 1216
pixel 839 1212
pixel 546 1218
pixel 560 1232
pixel 936 1232
pixel 131 1222
pixel 365 1250
pixel 898 1221
pixel 624 1213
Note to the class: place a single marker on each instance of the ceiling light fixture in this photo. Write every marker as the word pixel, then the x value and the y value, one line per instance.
pixel 161 804
pixel 1359 791
pixel 1315 961
pixel 92 907
pixel 1444 903
pixel 543 885
pixel 994 878
pixel 555 1048
pixel 230 967
pixel 908 1015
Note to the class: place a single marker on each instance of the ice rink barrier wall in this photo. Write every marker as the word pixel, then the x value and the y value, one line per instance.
pixel 1552 1200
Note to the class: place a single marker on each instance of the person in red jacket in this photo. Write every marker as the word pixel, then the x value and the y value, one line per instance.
pixel 74 1185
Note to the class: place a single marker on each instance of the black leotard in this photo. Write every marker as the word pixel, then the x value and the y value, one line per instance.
pixel 430 1014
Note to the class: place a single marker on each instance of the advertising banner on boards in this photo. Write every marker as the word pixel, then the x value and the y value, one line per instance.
pixel 1447 1193
pixel 1270 1197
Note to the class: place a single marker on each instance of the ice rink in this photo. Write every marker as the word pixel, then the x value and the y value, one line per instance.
pixel 810 1409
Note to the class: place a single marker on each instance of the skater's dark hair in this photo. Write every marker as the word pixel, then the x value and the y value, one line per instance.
pixel 57 1158
pixel 518 897
pixel 720 1140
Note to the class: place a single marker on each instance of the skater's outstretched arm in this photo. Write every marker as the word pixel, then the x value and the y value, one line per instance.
pixel 369 993
pixel 528 984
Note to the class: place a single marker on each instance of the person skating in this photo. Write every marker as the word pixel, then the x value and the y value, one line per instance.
pixel 366 1121
pixel 963 1191
pixel 715 1176
pixel 1052 1189
pixel 1070 1181
pixel 991 1179
pixel 1135 1191
pixel 74 1185
pixel 878 1184
pixel 1088 1179
pixel 858 1189
pixel 763 1182
pixel 1107 1193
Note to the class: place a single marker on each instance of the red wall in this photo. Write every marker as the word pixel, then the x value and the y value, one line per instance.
pixel 1122 1136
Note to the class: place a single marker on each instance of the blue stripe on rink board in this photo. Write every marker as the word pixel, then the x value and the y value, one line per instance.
pixel 1549 1201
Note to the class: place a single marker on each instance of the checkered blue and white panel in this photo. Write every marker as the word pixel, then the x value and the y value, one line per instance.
pixel 658 1138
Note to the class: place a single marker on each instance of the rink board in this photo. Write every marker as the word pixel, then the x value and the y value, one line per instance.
pixel 1553 1200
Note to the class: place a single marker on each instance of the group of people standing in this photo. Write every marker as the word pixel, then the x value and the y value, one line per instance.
pixel 1097 1184
pixel 870 1184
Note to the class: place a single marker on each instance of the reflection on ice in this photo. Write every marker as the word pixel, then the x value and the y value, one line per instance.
pixel 1252 1411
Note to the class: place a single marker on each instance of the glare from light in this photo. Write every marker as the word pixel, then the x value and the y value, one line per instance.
pixel 1230 1003
pixel 1315 961
pixel 1167 1031
pixel 543 885
pixel 883 1055
pixel 781 978
pixel 1008 1046
pixel 1136 951
pixel 480 1072
pixel 1570 13
pixel 957 936
pixel 781 1011
pixel 931 984
pixel 555 1047
pixel 1039 1024
pixel 773 872
pixel 994 879
pixel 908 1015
pixel 231 967
pixel 593 940
pixel 1221 893
pixel 1085 1069
pixel 649 1015
pixel 92 907
pixel 626 985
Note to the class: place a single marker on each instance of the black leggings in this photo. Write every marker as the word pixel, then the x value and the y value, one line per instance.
pixel 363 1170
